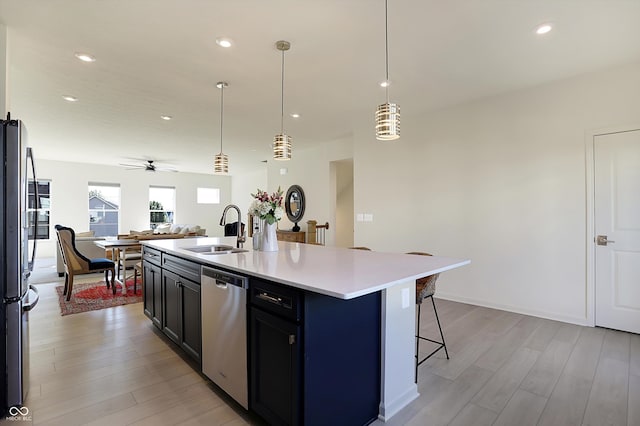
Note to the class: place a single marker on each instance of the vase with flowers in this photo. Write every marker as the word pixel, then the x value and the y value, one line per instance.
pixel 269 209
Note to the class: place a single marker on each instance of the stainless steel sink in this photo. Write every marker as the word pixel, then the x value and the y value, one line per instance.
pixel 233 250
pixel 215 249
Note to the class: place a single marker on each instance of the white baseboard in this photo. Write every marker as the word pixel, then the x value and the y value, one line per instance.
pixel 516 309
pixel 387 411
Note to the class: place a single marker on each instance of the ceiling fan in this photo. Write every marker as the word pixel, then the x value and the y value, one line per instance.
pixel 148 166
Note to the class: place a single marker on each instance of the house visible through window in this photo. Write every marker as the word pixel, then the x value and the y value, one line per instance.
pixel 39 213
pixel 104 209
pixel 162 205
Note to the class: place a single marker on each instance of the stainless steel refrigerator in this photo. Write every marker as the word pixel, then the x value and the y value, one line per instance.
pixel 18 296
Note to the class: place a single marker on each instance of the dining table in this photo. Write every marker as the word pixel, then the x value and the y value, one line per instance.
pixel 119 249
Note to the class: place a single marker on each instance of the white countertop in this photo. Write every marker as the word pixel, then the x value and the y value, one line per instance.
pixel 338 272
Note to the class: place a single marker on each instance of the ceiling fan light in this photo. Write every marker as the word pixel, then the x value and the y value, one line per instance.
pixel 221 164
pixel 388 122
pixel 282 147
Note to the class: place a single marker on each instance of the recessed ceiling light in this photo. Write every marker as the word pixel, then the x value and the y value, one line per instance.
pixel 85 57
pixel 385 83
pixel 69 98
pixel 543 29
pixel 166 117
pixel 223 42
pixel 295 115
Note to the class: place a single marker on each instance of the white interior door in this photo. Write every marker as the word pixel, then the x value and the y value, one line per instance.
pixel 617 226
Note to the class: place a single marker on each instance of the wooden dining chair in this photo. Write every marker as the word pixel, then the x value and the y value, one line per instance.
pixel 426 288
pixel 75 263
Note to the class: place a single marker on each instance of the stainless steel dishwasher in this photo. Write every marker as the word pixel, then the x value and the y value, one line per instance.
pixel 224 331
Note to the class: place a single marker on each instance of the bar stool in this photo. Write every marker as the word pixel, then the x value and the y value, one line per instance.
pixel 426 287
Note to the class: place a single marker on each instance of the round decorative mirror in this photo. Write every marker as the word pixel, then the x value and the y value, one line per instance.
pixel 294 205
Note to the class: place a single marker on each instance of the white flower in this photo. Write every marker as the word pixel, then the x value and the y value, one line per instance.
pixel 278 213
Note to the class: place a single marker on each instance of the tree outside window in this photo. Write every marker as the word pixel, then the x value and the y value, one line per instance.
pixel 161 205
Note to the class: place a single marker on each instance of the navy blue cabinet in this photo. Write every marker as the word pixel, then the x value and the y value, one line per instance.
pixel 314 359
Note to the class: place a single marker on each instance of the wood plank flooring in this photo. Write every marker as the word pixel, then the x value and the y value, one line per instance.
pixel 112 367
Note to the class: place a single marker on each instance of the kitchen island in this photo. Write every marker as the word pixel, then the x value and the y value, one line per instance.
pixel 371 293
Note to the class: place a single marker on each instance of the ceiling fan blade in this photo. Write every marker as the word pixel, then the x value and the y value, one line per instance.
pixel 133 166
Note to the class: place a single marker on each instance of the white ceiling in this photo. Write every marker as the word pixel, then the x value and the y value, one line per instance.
pixel 158 57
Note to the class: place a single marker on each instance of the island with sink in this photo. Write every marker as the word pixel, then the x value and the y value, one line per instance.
pixel 305 335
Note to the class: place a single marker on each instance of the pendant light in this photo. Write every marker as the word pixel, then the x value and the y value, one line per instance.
pixel 282 141
pixel 387 114
pixel 221 161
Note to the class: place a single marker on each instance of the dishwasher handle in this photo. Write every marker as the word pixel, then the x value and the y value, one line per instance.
pixel 223 279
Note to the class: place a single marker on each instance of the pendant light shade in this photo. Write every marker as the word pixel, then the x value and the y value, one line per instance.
pixel 221 164
pixel 282 141
pixel 387 114
pixel 221 161
pixel 282 147
pixel 388 122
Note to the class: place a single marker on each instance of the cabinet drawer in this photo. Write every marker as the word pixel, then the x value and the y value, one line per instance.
pixel 283 301
pixel 152 255
pixel 184 268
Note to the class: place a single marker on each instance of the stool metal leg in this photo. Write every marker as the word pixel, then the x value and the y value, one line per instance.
pixel 444 345
pixel 417 342
pixel 418 337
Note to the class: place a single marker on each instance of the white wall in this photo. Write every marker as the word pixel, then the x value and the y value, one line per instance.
pixel 500 181
pixel 4 72
pixel 343 228
pixel 311 169
pixel 242 186
pixel 69 196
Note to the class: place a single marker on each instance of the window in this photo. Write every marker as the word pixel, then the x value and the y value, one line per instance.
pixel 41 211
pixel 208 196
pixel 104 209
pixel 162 205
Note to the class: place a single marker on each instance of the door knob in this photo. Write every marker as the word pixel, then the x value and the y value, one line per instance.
pixel 601 240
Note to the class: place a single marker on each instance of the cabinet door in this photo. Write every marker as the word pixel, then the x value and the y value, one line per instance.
pixel 157 296
pixel 152 293
pixel 275 368
pixel 190 315
pixel 171 323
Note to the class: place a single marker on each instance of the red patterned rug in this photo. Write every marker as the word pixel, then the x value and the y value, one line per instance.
pixel 93 296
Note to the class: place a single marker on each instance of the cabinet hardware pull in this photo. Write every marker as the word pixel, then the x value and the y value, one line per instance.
pixel 268 298
pixel 292 339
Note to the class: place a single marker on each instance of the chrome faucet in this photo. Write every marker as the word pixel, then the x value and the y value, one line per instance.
pixel 241 238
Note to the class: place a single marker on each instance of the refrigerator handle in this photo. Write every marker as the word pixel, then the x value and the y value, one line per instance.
pixel 32 301
pixel 37 207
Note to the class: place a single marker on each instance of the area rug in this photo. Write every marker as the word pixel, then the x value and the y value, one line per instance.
pixel 93 296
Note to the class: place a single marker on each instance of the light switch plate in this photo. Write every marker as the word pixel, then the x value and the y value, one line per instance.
pixel 368 217
pixel 405 298
pixel 359 217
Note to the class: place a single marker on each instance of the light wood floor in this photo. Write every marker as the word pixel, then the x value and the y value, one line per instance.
pixel 111 367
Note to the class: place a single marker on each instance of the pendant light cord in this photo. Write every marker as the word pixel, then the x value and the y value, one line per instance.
pixel 282 98
pixel 386 48
pixel 221 114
